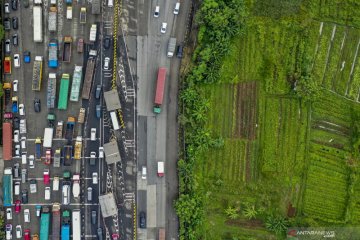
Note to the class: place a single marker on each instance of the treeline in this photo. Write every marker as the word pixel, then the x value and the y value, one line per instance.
pixel 219 21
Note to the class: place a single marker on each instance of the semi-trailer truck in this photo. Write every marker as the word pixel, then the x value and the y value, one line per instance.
pixel 160 88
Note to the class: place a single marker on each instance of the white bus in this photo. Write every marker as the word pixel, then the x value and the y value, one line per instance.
pixel 76 224
pixel 114 120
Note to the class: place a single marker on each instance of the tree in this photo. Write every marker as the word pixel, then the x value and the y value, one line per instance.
pixel 2 226
pixel 308 89
pixel 2 32
pixel 1 90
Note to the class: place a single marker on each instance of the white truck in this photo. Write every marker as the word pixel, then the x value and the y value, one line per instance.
pixel 48 137
pixel 171 47
pixel 69 12
pixel 52 19
pixel 76 185
pixel 93 31
pixel 160 169
pixel 22 126
pixel 37 23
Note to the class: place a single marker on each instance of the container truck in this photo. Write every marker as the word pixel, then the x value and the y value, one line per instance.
pixel 59 129
pixel 81 118
pixel 93 31
pixel 7 65
pixel 37 24
pixel 37 73
pixel 65 227
pixel 55 225
pixel 52 19
pixel 70 125
pixel 7 187
pixel 51 91
pixel 78 145
pixel 48 137
pixel 68 155
pixel 23 126
pixel 83 15
pixel 76 83
pixel 95 6
pixel 7 90
pixel 53 54
pixel 64 91
pixel 160 87
pixel 38 149
pixel 7 140
pixel 45 223
pixel 160 171
pixel 67 49
pixel 171 47
pixel 15 104
pixel 88 77
pixel 76 185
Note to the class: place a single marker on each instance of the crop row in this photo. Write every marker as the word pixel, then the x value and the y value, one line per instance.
pixel 355 84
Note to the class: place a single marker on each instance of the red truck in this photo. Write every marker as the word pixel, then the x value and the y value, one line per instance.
pixel 160 87
pixel 7 141
pixel 7 65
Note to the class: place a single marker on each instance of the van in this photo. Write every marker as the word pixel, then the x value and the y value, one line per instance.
pixel 17 188
pixel 23 158
pixel 56 184
pixel 16 170
pixel 26 215
pixel 93 134
pixel 177 8
pixel 23 175
pixel 143 172
pixel 47 193
pixel 110 3
pixel 89 194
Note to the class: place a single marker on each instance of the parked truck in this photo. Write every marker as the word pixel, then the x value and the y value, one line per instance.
pixel 171 47
pixel 65 226
pixel 53 54
pixel 51 91
pixel 37 24
pixel 7 90
pixel 23 126
pixel 52 19
pixel 88 77
pixel 81 118
pixel 51 120
pixel 76 83
pixel 64 91
pixel 45 223
pixel 76 185
pixel 59 129
pixel 70 128
pixel 160 87
pixel 160 169
pixel 15 104
pixel 67 49
pixel 93 31
pixel 95 6
pixel 37 73
pixel 68 155
pixel 7 65
pixel 48 137
pixel 55 231
pixel 78 147
pixel 83 15
pixel 38 149
pixel 7 140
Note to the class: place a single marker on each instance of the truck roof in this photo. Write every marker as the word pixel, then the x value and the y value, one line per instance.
pixel 160 86
pixel 7 141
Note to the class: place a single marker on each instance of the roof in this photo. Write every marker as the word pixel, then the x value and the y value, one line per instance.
pixel 112 154
pixel 112 100
pixel 108 205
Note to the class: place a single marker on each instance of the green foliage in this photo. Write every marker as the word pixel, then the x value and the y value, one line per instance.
pixel 250 212
pixel 276 8
pixel 232 212
pixel 308 89
pixel 1 90
pixel 2 32
pixel 277 224
pixel 2 226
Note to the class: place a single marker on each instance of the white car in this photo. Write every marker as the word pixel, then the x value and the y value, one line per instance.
pixel 8 231
pixel 23 158
pixel 95 178
pixel 101 152
pixel 177 8
pixel 18 231
pixel 31 161
pixel 16 60
pixel 157 11
pixel 17 150
pixel 47 193
pixel 163 27
pixel 15 85
pixel 143 172
pixel 23 142
pixel 26 215
pixel 16 136
pixel 93 134
pixel 21 109
pixel 8 213
pixel 7 7
pixel 106 63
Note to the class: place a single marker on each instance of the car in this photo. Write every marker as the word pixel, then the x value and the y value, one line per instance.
pixel 99 233
pixel 115 236
pixel 143 172
pixel 37 105
pixel 177 8
pixel 47 193
pixel 27 235
pixel 18 231
pixel 101 152
pixel 16 170
pixel 24 196
pixel 8 230
pixel 17 188
pixel 27 57
pixel 8 115
pixel 31 161
pixel 142 220
pixel 16 136
pixel 26 215
pixel 98 91
pixel 8 214
pixel 106 63
pixel 7 46
pixel 23 175
pixel 93 217
pixel 48 156
pixel 23 143
pixel 180 50
pixel 98 111
pixel 17 150
pixel 107 42
pixel 21 109
pixel 46 176
pixel 110 3
pixel 66 194
pixel 16 122
pixel 92 158
pixel 93 134
pixel 95 178
pixel 26 3
pixel 33 188
pixel 14 4
pixel 163 27
pixel 15 23
pixel 7 7
pixel 17 206
pixel 16 60
pixel 157 11
pixel 15 85
pixel 38 210
pixel 15 40
pixel 7 24
pixel 89 194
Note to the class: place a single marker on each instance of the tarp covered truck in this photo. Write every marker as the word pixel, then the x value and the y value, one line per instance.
pixel 37 73
pixel 64 91
pixel 38 149
pixel 51 91
pixel 53 54
pixel 78 148
pixel 52 19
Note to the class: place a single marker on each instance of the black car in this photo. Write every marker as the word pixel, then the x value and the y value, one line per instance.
pixel 15 22
pixel 15 40
pixel 37 105
pixel 142 220
pixel 24 196
pixel 14 4
pixel 16 123
pixel 7 25
pixel 107 41
pixel 180 50
pixel 98 91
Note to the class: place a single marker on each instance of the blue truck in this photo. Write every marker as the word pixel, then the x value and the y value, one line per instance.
pixel 38 149
pixel 15 105
pixel 53 52
pixel 65 227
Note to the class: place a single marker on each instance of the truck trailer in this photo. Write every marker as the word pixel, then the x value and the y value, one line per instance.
pixel 52 19
pixel 171 47
pixel 48 137
pixel 37 73
pixel 67 49
pixel 55 225
pixel 160 87
pixel 37 24
pixel 76 83
pixel 64 91
pixel 7 140
pixel 88 77
pixel 53 54
pixel 51 91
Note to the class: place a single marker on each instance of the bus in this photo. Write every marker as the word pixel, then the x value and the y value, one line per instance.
pixel 8 187
pixel 114 120
pixel 45 223
pixel 64 92
pixel 76 224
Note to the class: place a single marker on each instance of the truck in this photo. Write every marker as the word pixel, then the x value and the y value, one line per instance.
pixel 15 104
pixel 88 76
pixel 160 171
pixel 7 184
pixel 76 185
pixel 70 125
pixel 93 31
pixel 68 155
pixel 76 83
pixel 45 223
pixel 76 224
pixel 23 126
pixel 7 90
pixel 81 118
pixel 7 140
pixel 64 91
pixel 161 233
pixel 48 137
pixel 37 73
pixel 37 24
pixel 171 47
pixel 51 91
pixel 55 225
pixel 59 129
pixel 37 2
pixel 78 145
pixel 53 54
pixel 57 158
pixel 65 226
pixel 38 149
pixel 51 120
pixel 69 12
pixel 67 49
pixel 52 19
pixel 7 65
pixel 160 87
pixel 95 6
pixel 82 15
